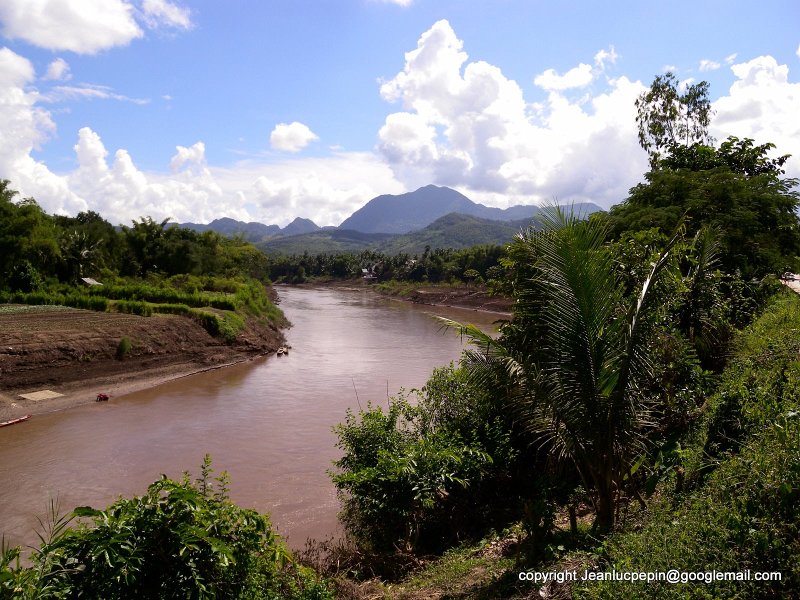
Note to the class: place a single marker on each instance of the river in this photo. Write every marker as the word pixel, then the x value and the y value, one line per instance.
pixel 267 422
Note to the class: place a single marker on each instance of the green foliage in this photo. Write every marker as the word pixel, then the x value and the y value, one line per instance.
pixel 745 512
pixel 755 217
pixel 133 307
pixel 179 540
pixel 418 477
pixel 668 118
pixel 573 361
pixel 123 348
pixel 227 325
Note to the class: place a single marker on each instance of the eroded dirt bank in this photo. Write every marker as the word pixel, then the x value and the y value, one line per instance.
pixel 74 353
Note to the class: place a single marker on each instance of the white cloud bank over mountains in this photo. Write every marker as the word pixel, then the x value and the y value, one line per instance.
pixel 457 123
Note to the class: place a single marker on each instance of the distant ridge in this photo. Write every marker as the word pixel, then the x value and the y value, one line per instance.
pixel 442 218
pixel 415 210
pixel 252 231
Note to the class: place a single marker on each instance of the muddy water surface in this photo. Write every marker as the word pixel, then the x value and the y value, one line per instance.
pixel 268 422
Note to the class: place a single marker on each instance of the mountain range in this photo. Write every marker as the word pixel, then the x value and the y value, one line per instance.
pixel 433 216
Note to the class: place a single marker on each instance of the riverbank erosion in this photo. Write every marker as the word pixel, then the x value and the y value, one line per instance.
pixel 78 354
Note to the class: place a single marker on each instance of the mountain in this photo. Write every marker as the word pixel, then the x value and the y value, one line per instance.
pixel 450 231
pixel 252 232
pixel 412 211
pixel 299 225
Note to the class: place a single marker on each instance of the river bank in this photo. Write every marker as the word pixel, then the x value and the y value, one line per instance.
pixel 75 354
pixel 473 297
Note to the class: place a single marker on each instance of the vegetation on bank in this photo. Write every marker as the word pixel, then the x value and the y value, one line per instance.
pixel 181 539
pixel 647 379
pixel 148 268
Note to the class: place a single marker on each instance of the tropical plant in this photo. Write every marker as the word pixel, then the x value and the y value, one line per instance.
pixel 573 359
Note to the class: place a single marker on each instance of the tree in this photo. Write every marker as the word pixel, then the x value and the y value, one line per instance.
pixel 737 190
pixel 573 359
pixel 668 118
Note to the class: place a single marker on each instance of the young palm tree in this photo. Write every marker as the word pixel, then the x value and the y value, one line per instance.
pixel 575 354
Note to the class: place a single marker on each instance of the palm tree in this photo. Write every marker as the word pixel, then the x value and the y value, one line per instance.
pixel 575 355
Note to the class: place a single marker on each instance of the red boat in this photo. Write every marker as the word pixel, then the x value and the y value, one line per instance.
pixel 13 421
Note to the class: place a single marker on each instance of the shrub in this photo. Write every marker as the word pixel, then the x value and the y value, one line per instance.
pixel 171 309
pixel 134 307
pixel 179 540
pixel 123 348
pixel 421 477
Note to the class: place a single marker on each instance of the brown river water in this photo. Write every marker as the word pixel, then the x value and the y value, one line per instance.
pixel 267 422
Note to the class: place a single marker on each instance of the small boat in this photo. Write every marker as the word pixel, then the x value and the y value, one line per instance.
pixel 14 421
pixel 283 350
pixel 102 398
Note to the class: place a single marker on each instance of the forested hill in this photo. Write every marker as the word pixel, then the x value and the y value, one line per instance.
pixel 450 231
pixel 415 210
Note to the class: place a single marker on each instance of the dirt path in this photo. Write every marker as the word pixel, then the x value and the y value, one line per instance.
pixel 74 353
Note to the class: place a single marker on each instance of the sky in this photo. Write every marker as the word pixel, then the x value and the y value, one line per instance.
pixel 267 110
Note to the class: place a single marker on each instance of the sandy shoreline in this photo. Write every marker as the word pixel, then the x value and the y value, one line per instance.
pixel 78 393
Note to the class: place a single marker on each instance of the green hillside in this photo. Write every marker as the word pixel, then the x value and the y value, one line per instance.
pixel 451 231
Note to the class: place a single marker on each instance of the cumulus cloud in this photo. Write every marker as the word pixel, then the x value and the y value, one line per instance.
pixel 58 70
pixel 466 125
pixel 762 104
pixel 86 27
pixel 291 137
pixel 709 65
pixel 111 183
pixel 730 59
pixel 194 155
pixel 577 77
pixel 24 127
pixel 75 25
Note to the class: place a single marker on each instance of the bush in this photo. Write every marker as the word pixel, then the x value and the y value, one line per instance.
pixel 227 326
pixel 134 307
pixel 123 348
pixel 422 477
pixel 179 540
pixel 742 510
pixel 171 309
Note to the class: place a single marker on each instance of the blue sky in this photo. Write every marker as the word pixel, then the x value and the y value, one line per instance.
pixel 271 110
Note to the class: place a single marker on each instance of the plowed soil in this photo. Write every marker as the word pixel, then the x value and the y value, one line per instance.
pixel 74 352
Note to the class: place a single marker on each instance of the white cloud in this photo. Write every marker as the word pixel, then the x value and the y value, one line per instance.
pixel 606 56
pixel 86 27
pixel 24 127
pixel 709 65
pixel 87 91
pixel 58 70
pixel 194 155
pixel 762 105
pixel 291 137
pixel 457 123
pixel 730 59
pixel 161 13
pixel 577 77
pixel 466 125
pixel 76 25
